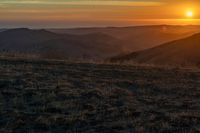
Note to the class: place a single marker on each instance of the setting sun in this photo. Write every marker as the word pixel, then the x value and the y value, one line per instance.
pixel 189 14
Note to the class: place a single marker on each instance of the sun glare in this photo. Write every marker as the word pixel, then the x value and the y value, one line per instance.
pixel 189 14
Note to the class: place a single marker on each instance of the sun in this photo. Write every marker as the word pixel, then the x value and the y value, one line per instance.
pixel 189 14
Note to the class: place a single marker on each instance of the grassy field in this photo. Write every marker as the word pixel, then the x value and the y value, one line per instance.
pixel 56 97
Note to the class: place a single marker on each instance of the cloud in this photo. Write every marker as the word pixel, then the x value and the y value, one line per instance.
pixel 81 3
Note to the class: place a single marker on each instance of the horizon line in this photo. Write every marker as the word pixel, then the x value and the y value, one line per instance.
pixel 83 27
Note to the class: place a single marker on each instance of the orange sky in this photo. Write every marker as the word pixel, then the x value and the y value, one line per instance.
pixel 73 13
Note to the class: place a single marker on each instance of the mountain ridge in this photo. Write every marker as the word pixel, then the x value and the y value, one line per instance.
pixel 136 38
pixel 35 41
pixel 184 51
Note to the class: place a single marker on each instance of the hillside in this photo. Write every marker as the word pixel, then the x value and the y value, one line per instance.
pixel 180 52
pixel 52 45
pixel 136 38
pixel 88 43
pixel 48 96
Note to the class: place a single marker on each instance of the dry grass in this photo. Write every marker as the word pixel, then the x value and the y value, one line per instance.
pixel 53 96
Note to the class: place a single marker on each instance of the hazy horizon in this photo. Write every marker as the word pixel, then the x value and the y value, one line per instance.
pixel 92 26
pixel 97 13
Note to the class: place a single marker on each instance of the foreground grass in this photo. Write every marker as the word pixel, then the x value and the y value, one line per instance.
pixel 49 96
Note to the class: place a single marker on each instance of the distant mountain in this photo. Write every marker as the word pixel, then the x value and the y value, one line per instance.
pixel 138 37
pixel 89 43
pixel 180 52
pixel 52 45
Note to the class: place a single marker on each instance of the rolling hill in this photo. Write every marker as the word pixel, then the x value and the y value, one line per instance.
pixel 52 45
pixel 89 43
pixel 136 38
pixel 180 52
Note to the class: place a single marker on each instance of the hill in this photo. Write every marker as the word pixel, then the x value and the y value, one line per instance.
pixel 136 38
pixel 88 43
pixel 52 45
pixel 180 52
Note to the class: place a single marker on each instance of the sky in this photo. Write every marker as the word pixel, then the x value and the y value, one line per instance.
pixel 91 13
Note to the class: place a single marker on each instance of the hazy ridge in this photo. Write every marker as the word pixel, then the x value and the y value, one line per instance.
pixel 179 52
pixel 93 43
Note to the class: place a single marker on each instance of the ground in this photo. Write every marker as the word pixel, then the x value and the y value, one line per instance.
pixel 55 97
